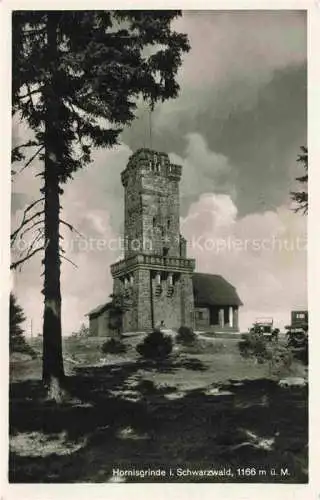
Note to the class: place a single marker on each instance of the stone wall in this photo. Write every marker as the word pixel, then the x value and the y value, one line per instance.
pixel 151 205
pixel 143 306
pixel 160 215
pixel 202 318
pixel 99 325
pixel 132 214
pixel 167 304
pixel 187 301
pixel 94 326
pixel 130 294
pixel 155 296
pixel 103 329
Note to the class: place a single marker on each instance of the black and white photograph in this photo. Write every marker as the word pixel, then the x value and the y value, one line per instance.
pixel 158 304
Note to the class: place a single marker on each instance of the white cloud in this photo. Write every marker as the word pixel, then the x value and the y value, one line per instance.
pixel 263 255
pixel 203 170
pixel 262 41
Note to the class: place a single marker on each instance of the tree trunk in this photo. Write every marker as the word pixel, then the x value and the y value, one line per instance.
pixel 53 372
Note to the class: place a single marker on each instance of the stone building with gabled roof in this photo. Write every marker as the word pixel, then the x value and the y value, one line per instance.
pixel 216 303
pixel 155 277
pixel 99 320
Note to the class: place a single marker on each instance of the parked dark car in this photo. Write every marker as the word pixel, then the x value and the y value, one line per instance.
pixel 264 327
pixel 297 331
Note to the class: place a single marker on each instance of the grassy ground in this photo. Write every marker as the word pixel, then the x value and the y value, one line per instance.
pixel 206 409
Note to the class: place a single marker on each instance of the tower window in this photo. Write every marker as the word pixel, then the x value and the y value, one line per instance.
pixel 165 251
pixel 168 224
pixel 154 221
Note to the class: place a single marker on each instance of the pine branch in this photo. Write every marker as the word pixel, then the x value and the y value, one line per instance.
pixel 30 93
pixel 24 223
pixel 301 198
pixel 33 204
pixel 14 265
pixel 302 208
pixel 17 155
pixel 303 179
pixel 68 260
pixel 33 31
pixel 69 226
pixel 31 227
pixel 34 112
pixel 35 240
pixel 30 160
pixel 28 144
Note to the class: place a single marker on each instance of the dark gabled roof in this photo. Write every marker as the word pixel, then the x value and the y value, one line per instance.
pixel 99 310
pixel 214 290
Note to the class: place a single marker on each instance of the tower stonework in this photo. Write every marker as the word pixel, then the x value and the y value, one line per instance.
pixel 155 276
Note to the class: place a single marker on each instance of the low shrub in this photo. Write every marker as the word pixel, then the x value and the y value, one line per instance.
pixel 155 345
pixel 84 332
pixel 280 359
pixel 254 345
pixel 185 335
pixel 21 346
pixel 113 346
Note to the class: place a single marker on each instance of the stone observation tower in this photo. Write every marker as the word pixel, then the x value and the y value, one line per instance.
pixel 155 275
pixel 155 278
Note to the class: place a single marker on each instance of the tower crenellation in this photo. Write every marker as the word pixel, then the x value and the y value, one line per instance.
pixel 148 162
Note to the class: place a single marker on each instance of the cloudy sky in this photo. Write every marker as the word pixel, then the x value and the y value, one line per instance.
pixel 236 129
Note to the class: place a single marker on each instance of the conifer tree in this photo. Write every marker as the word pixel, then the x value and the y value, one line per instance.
pixel 76 78
pixel 16 318
pixel 301 197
